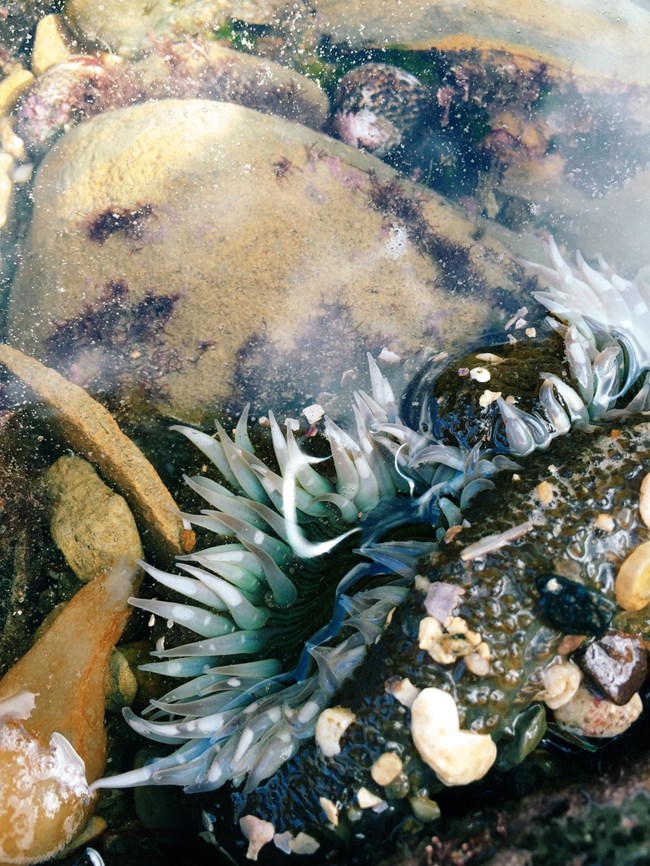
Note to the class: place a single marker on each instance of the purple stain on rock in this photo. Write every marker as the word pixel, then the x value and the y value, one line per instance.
pixel 117 347
pixel 128 222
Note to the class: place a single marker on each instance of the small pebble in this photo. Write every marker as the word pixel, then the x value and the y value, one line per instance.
pixel 573 607
pixel 313 413
pixel 644 500
pixel 457 757
pixel 488 397
pixel 367 800
pixel 403 691
pixel 257 833
pixel 330 727
pixel 331 810
pixel 590 715
pixel 386 768
pixel 617 665
pixel 632 586
pixel 605 522
pixel 425 809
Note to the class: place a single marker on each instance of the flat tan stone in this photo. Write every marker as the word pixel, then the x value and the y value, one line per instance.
pixel 91 525
pixel 52 44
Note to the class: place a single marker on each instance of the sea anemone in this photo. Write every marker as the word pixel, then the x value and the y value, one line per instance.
pixel 244 720
pixel 290 552
pixel 602 348
pixel 605 323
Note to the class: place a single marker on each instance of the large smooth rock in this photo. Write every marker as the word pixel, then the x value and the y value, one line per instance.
pixel 205 254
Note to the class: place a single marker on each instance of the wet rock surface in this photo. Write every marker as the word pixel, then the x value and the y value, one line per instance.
pixel 533 127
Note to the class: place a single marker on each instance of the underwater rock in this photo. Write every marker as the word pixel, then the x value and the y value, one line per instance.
pixel 558 130
pixel 553 34
pixel 84 85
pixel 52 738
pixel 271 257
pixel 53 44
pixel 573 607
pixel 86 427
pixel 395 653
pixel 128 28
pixel 91 525
pixel 500 600
pixel 617 665
pixel 379 107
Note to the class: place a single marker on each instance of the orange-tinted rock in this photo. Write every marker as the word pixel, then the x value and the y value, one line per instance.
pixel 50 751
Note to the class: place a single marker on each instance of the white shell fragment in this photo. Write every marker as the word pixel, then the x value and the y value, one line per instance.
pixel 632 585
pixel 490 358
pixel 257 833
pixel 330 809
pixel 644 500
pixel 313 413
pixel 589 715
pixel 388 356
pixel 488 397
pixel 494 542
pixel 386 768
pixel 330 727
pixel 367 800
pixel 302 843
pixel 403 691
pixel 457 757
pixel 480 374
pixel 561 682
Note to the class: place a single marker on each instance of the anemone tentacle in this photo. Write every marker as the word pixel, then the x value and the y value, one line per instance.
pixel 605 322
